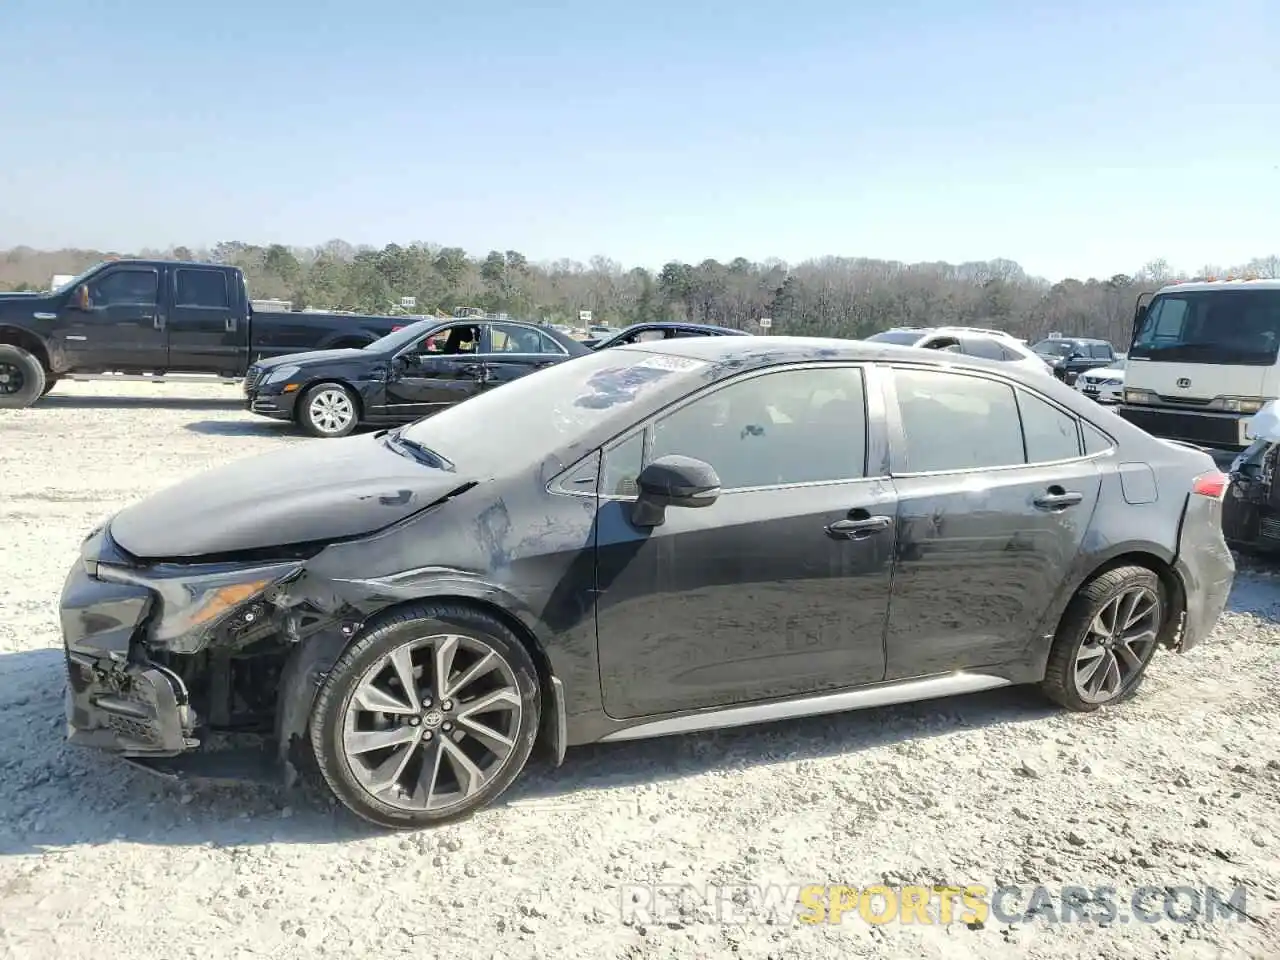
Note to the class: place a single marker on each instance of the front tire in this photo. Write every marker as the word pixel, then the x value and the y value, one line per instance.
pixel 1106 639
pixel 427 717
pixel 22 378
pixel 328 410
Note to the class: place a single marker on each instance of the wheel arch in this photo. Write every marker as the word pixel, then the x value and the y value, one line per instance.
pixel 552 734
pixel 1153 556
pixel 28 341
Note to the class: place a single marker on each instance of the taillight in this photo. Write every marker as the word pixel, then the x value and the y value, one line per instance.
pixel 1211 484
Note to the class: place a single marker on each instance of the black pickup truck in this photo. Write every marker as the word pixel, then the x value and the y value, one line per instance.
pixel 155 317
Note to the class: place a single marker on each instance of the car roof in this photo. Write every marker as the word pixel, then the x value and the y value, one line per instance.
pixel 679 325
pixel 751 352
pixel 1235 283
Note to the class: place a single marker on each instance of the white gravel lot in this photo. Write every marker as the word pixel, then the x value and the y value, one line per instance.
pixel 1179 787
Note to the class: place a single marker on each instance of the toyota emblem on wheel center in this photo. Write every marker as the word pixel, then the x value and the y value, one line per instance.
pixel 1183 382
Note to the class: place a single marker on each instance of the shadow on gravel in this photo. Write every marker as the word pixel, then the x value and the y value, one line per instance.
pixel 54 795
pixel 243 428
pixel 609 765
pixel 129 403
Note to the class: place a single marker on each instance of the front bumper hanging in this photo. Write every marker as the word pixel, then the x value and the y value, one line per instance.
pixel 136 710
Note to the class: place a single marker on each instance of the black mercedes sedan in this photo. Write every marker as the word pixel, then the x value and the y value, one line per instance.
pixel 653 539
pixel 413 372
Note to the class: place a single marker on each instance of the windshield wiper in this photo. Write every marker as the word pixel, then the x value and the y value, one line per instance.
pixel 423 454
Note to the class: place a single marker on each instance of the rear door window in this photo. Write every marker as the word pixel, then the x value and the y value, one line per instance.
pixel 202 289
pixel 951 421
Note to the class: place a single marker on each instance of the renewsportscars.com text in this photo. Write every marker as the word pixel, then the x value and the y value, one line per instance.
pixel 970 904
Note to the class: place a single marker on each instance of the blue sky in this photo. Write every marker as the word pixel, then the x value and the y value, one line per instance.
pixel 1080 139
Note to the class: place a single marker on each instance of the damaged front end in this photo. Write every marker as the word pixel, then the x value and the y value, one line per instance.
pixel 1251 506
pixel 161 655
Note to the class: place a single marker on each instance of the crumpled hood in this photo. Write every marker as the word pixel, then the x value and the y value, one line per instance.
pixel 313 491
pixel 311 357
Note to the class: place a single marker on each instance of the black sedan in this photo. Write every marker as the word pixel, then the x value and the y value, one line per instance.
pixel 649 540
pixel 411 373
pixel 660 330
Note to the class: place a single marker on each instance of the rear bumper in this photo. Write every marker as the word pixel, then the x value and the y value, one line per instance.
pixel 1206 567
pixel 1221 430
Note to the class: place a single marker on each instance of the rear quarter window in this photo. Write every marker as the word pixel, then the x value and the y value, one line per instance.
pixel 1050 433
pixel 1095 441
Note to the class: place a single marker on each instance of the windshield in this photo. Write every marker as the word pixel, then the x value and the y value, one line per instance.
pixel 76 280
pixel 1239 327
pixel 904 338
pixel 396 339
pixel 1053 348
pixel 543 411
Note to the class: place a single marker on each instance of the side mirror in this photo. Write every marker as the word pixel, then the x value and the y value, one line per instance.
pixel 673 481
pixel 80 298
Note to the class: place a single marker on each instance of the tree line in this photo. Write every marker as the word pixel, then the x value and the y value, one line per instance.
pixel 828 296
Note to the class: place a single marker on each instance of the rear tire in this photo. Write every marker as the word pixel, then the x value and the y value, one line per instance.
pixel 427 717
pixel 328 410
pixel 1106 639
pixel 22 378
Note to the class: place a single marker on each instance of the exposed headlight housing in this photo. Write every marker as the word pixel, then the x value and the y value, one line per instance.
pixel 193 603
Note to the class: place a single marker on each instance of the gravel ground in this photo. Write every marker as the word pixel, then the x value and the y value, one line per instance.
pixel 1179 787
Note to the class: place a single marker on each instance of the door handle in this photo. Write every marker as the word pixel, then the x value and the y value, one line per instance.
pixel 231 324
pixel 857 528
pixel 157 321
pixel 1055 498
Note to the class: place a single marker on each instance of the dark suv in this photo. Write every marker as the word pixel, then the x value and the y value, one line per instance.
pixel 1069 357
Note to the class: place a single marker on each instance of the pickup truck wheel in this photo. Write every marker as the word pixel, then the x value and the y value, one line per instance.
pixel 328 410
pixel 22 378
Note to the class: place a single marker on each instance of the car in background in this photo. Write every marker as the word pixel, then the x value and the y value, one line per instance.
pixel 414 372
pixel 152 318
pixel 1069 357
pixel 661 538
pixel 661 330
pixel 970 341
pixel 1104 384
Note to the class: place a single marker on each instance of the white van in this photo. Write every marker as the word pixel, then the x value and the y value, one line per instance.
pixel 1204 360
